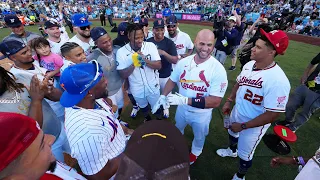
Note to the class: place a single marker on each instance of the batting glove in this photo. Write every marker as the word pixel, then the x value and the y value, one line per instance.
pixel 177 99
pixel 162 101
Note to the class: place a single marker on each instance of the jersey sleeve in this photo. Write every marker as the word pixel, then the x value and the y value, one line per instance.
pixel 122 60
pixel 91 154
pixel 189 42
pixel 58 61
pixel 276 97
pixel 154 52
pixel 218 82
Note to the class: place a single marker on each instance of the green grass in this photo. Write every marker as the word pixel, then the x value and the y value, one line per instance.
pixel 209 165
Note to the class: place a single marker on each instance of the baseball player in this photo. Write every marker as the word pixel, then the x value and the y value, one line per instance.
pixel 202 83
pixel 260 98
pixel 181 39
pixel 142 76
pixel 167 52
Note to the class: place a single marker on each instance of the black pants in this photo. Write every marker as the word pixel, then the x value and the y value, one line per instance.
pixel 110 20
pixel 103 20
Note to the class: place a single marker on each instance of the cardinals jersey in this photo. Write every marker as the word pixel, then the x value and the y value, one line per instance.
pixel 200 80
pixel 261 90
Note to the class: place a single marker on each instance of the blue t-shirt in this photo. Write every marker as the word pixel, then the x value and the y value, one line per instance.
pixel 168 46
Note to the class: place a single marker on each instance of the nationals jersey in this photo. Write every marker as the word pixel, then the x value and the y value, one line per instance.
pixel 261 90
pixel 200 80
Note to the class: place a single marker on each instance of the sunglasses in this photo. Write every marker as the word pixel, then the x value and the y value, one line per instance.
pixel 95 77
pixel 171 26
pixel 85 27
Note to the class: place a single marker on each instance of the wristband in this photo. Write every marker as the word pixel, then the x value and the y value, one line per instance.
pixel 198 102
pixel 301 161
pixel 229 100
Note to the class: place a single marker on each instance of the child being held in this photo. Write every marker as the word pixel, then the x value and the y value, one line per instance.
pixel 48 60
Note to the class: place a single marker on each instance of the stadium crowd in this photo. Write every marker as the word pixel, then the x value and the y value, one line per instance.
pixel 63 96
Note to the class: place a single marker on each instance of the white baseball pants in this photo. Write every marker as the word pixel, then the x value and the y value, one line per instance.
pixel 199 123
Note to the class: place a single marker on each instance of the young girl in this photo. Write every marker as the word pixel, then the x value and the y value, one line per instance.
pixel 72 54
pixel 48 60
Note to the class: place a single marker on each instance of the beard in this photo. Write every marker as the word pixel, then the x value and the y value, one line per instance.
pixel 201 56
pixel 52 166
pixel 84 35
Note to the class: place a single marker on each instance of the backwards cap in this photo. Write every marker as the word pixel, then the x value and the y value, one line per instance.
pixel 17 132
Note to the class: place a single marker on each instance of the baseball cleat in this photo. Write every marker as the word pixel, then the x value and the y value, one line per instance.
pixel 166 113
pixel 134 111
pixel 227 153
pixel 192 158
pixel 235 177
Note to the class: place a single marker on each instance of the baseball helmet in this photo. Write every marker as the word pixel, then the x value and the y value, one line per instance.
pixel 166 12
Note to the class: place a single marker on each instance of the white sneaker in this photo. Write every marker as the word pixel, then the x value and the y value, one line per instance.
pixel 134 111
pixel 166 113
pixel 235 177
pixel 227 153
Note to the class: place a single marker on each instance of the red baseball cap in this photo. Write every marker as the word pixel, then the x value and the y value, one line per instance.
pixel 278 38
pixel 17 132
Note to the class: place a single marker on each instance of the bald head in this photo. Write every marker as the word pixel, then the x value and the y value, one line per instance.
pixel 205 34
pixel 204 44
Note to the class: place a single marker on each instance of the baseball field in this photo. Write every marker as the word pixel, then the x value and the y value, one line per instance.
pixel 209 165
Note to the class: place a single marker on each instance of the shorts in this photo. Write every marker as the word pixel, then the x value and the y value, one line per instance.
pixel 234 52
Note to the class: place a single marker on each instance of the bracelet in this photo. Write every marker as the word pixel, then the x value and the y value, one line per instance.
pixel 301 161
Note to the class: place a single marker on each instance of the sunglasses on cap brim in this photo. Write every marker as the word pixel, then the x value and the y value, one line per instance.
pixel 95 77
pixel 171 26
pixel 84 27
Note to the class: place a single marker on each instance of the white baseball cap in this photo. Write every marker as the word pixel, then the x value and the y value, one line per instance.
pixel 232 18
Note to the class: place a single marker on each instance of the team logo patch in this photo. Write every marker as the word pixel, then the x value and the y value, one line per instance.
pixel 281 101
pixel 222 86
pixel 12 20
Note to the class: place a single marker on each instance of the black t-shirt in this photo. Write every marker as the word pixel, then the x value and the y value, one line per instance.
pixel 168 46
pixel 311 79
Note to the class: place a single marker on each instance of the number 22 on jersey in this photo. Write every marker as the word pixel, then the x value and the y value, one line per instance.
pixel 253 98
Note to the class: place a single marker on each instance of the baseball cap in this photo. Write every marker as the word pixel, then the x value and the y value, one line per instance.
pixel 11 47
pixel 12 21
pixel 144 22
pixel 50 24
pixel 233 18
pixel 136 19
pixel 158 23
pixel 80 20
pixel 278 39
pixel 156 150
pixel 166 12
pixel 17 133
pixel 97 32
pixel 122 29
pixel 77 80
pixel 171 20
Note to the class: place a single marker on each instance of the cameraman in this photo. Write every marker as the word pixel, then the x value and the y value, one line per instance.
pixel 226 40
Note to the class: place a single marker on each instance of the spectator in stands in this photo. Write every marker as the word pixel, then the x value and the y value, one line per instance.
pixel 98 143
pixel 83 38
pixel 316 31
pixel 18 31
pixel 25 151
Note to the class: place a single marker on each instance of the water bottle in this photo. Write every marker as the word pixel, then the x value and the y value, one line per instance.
pixel 226 120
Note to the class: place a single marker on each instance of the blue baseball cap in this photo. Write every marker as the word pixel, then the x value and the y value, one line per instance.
pixel 80 20
pixel 171 20
pixel 77 80
pixel 158 23
pixel 137 20
pixel 12 21
pixel 11 47
pixel 122 29
pixel 166 12
pixel 97 32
